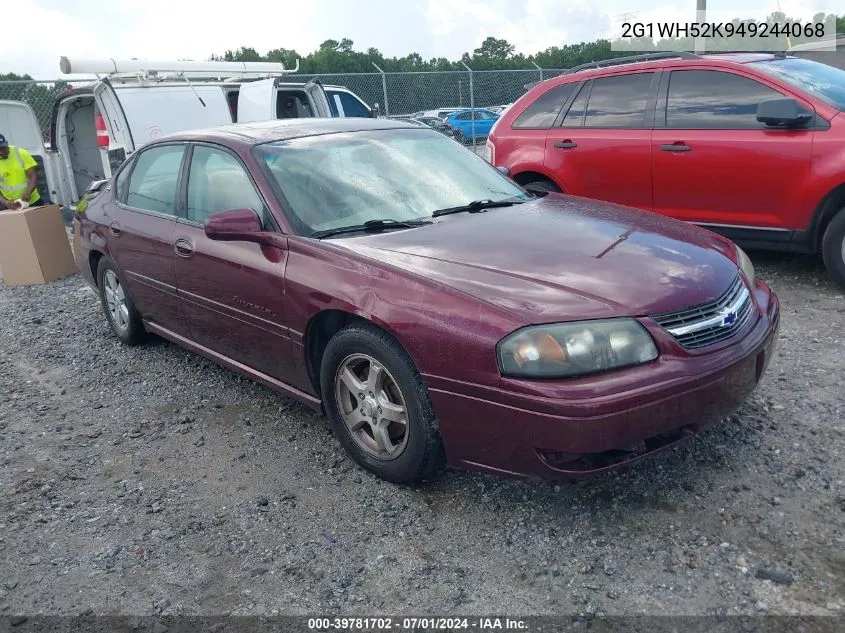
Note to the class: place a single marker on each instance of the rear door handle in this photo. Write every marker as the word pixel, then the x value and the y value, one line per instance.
pixel 567 144
pixel 676 147
pixel 115 228
pixel 183 247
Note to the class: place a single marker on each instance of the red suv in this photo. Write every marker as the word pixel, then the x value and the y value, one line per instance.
pixel 748 145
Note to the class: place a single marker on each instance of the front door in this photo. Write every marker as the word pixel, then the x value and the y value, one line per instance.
pixel 140 232
pixel 602 147
pixel 715 164
pixel 233 293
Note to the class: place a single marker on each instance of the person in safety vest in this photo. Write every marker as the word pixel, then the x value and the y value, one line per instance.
pixel 18 177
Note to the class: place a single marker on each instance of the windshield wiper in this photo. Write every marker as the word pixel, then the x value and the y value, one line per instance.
pixel 373 226
pixel 476 206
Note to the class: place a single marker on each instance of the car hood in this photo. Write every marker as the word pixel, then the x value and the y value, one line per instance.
pixel 563 258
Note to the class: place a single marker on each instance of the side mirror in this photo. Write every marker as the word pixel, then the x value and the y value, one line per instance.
pixel 503 170
pixel 782 112
pixel 240 225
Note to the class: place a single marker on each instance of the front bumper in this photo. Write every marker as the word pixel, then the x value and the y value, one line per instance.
pixel 530 436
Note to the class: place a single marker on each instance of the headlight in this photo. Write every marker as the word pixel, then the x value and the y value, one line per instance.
pixel 745 265
pixel 574 349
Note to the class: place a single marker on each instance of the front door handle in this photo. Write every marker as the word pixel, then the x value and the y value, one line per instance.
pixel 677 146
pixel 183 247
pixel 567 144
pixel 115 228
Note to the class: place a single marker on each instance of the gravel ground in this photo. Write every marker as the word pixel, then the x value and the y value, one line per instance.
pixel 150 481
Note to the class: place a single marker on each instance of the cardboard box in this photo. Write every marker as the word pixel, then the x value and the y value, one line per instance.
pixel 34 247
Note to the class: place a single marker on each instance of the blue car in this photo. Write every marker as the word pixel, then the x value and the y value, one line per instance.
pixel 461 122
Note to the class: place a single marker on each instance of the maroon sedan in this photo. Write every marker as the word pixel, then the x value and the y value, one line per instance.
pixel 430 306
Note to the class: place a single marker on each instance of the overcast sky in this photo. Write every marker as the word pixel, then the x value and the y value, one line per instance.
pixel 194 29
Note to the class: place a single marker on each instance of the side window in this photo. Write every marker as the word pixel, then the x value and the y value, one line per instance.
pixel 152 186
pixel 464 116
pixel 575 116
pixel 218 182
pixel 121 182
pixel 292 104
pixel 619 102
pixel 542 113
pixel 710 99
pixel 344 104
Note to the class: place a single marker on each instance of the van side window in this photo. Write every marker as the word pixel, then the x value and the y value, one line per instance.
pixel 292 104
pixel 218 182
pixel 152 186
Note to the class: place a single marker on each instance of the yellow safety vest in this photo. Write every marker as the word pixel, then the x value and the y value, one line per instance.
pixel 13 176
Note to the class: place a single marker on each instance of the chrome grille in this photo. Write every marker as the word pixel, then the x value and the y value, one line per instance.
pixel 710 322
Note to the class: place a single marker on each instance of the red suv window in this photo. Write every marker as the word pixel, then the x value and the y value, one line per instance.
pixel 618 102
pixel 541 114
pixel 711 99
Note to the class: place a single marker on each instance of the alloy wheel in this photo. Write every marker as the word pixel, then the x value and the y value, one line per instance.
pixel 116 301
pixel 372 406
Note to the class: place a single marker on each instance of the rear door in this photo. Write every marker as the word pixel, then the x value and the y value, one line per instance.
pixel 715 164
pixel 601 147
pixel 269 99
pixel 319 100
pixel 525 143
pixel 20 126
pixel 121 143
pixel 257 100
pixel 140 232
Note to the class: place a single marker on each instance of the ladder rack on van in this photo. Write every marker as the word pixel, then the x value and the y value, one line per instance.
pixel 141 70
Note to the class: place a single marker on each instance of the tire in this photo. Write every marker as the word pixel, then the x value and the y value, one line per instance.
pixel 833 249
pixel 357 352
pixel 124 320
pixel 541 186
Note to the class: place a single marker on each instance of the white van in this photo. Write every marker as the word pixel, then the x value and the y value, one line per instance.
pixel 96 126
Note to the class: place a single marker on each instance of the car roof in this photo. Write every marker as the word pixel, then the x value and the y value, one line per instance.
pixel 286 129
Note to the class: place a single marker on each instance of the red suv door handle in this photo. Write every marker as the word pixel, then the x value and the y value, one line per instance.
pixel 567 144
pixel 183 247
pixel 677 146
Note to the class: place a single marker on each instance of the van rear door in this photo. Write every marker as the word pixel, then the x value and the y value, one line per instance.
pixel 319 98
pixel 269 99
pixel 120 136
pixel 20 125
pixel 257 100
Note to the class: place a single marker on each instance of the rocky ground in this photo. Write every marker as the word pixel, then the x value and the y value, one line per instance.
pixel 150 481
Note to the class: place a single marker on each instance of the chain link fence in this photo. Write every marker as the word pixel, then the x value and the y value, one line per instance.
pixel 393 94
pixel 407 93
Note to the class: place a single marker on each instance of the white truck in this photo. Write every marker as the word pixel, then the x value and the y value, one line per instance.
pixel 97 125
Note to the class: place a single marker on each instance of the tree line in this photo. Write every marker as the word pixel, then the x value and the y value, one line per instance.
pixel 407 93
pixel 340 57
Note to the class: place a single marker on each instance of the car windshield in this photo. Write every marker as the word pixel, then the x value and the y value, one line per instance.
pixel 820 80
pixel 339 180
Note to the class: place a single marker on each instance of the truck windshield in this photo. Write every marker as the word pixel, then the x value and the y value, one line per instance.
pixel 820 80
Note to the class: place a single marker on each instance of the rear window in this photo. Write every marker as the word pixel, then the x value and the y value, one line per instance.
pixel 541 114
